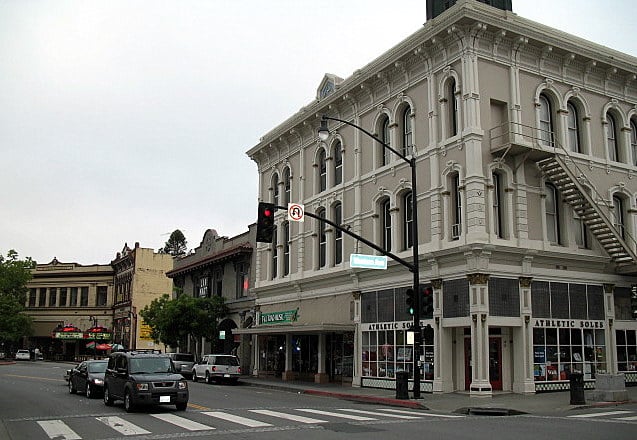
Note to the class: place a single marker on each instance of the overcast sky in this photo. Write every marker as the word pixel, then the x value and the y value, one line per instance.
pixel 121 121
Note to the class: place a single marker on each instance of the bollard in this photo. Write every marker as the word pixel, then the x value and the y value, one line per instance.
pixel 402 385
pixel 577 389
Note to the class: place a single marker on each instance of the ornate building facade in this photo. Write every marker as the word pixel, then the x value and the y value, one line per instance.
pixel 525 141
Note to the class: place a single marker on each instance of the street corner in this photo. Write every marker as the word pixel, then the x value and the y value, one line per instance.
pixel 413 404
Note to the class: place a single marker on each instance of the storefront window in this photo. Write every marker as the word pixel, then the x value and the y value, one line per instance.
pixel 626 350
pixel 558 352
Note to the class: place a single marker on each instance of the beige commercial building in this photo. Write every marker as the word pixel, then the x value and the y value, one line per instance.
pixel 525 147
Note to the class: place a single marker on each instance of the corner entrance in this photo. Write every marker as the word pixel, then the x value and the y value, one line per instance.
pixel 495 362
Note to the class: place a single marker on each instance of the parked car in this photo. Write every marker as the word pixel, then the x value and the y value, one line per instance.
pixel 143 379
pixel 22 355
pixel 88 378
pixel 184 362
pixel 217 368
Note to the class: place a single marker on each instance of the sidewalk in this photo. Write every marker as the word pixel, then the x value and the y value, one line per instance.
pixel 501 403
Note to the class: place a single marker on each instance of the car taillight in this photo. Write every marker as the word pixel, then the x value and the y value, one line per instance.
pixel 214 368
pixel 239 370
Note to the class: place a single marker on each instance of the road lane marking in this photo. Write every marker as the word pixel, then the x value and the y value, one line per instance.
pixel 122 426
pixel 34 377
pixel 375 413
pixel 58 430
pixel 236 419
pixel 423 414
pixel 338 415
pixel 599 414
pixel 631 418
pixel 199 407
pixel 286 416
pixel 182 422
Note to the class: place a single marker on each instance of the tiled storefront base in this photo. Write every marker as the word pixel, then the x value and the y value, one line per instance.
pixel 373 382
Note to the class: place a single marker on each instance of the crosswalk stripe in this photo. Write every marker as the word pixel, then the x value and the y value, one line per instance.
pixel 599 414
pixel 294 418
pixel 422 414
pixel 182 422
pixel 236 419
pixel 361 411
pixel 630 418
pixel 333 414
pixel 58 430
pixel 122 426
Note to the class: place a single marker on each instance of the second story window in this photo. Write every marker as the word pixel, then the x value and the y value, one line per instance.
pixel 287 186
pixel 101 299
pixel 456 207
pixel 53 297
pixel 63 296
pixel 243 283
pixel 498 205
pixel 386 224
pixel 385 154
pixel 338 235
pixel 573 129
pixel 322 237
pixel 552 215
pixel 338 164
pixel 408 219
pixel 286 248
pixel 618 210
pixel 42 298
pixel 633 140
pixel 32 296
pixel 73 302
pixel 203 288
pixel 84 297
pixel 546 121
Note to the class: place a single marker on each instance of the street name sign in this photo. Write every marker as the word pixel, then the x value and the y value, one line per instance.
pixel 368 261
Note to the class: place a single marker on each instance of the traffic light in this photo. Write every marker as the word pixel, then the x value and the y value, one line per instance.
pixel 426 302
pixel 633 301
pixel 265 222
pixel 410 300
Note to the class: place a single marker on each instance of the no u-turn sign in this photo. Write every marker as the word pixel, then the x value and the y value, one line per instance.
pixel 296 212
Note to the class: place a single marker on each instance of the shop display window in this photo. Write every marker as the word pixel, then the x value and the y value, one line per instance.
pixel 559 352
pixel 626 350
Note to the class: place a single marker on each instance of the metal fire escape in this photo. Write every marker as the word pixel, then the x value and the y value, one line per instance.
pixel 575 188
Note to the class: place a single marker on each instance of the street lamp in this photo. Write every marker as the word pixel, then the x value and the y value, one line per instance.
pixel 94 319
pixel 324 134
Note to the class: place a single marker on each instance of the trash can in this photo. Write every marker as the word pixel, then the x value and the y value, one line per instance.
pixel 402 385
pixel 577 389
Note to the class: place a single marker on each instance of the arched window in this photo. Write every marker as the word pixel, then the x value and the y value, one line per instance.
pixel 338 234
pixel 619 212
pixel 552 214
pixel 633 140
pixel 612 138
pixel 452 108
pixel 275 256
pixel 407 132
pixel 456 207
pixel 287 186
pixel 275 189
pixel 385 157
pixel 286 248
pixel 322 170
pixel 408 219
pixel 322 236
pixel 574 136
pixel 386 224
pixel 546 121
pixel 498 205
pixel 338 164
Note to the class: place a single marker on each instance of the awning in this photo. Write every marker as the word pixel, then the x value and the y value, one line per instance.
pixel 278 329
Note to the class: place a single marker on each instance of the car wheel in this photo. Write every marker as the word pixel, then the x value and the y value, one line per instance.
pixel 194 376
pixel 108 400
pixel 208 378
pixel 89 391
pixel 128 402
pixel 181 406
pixel 72 389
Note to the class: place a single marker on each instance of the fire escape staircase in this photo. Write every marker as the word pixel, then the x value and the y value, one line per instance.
pixel 562 171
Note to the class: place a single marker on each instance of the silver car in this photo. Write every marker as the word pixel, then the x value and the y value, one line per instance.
pixel 183 362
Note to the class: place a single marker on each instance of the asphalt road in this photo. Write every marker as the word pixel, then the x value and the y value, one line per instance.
pixel 35 404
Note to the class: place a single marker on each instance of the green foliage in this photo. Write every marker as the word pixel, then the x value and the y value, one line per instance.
pixel 14 276
pixel 173 320
pixel 176 244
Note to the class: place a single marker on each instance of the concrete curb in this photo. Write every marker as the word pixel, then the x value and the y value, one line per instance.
pixel 368 399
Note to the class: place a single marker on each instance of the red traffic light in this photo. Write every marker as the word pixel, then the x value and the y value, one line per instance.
pixel 267 213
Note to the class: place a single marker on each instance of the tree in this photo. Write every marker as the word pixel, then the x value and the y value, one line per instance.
pixel 176 244
pixel 174 320
pixel 14 276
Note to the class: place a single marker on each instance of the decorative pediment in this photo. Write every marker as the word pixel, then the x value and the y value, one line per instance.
pixel 328 85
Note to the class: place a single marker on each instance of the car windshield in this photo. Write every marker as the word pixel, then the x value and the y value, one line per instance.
pixel 184 357
pixel 150 365
pixel 97 367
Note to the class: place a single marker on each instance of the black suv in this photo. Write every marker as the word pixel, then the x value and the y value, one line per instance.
pixel 143 379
